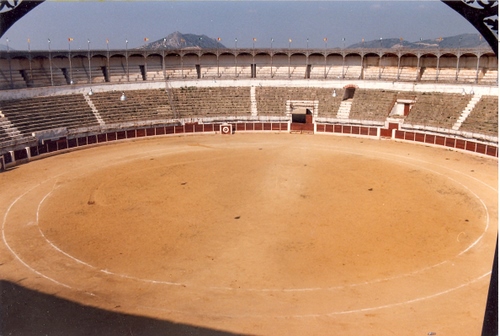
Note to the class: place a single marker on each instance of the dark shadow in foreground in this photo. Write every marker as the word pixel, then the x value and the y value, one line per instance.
pixel 27 312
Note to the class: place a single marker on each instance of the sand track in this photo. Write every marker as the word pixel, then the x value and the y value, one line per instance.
pixel 260 234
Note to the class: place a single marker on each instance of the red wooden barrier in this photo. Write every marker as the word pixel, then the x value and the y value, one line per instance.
pixel 130 134
pixel 430 138
pixel 111 136
pixel 422 137
pixel 150 132
pixel 481 148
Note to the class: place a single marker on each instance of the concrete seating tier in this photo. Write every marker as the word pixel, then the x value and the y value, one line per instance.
pixel 191 102
pixel 154 73
pixel 64 76
pixel 318 71
pixel 408 74
pixel 60 76
pixel 272 101
pixel 190 73
pixel 437 109
pixel 447 75
pixel 80 75
pixel 3 135
pixel 243 72
pixel 298 72
pixel 371 72
pixel 17 80
pixel 389 73
pixel 72 111
pixel 98 75
pixel 428 74
pixel 9 131
pixel 264 71
pixel 372 104
pixel 210 72
pixel 407 95
pixel 352 72
pixel 139 105
pixel 41 77
pixel 281 71
pixel 118 74
pixel 335 72
pixel 483 118
pixel 226 72
pixel 176 73
pixel 466 75
pixel 488 77
pixel 45 113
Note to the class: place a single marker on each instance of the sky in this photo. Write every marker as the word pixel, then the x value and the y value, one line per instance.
pixel 306 23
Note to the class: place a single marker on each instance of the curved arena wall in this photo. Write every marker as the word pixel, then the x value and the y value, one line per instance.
pixel 53 141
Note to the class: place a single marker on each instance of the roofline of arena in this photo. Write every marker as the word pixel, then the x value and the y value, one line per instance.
pixel 380 52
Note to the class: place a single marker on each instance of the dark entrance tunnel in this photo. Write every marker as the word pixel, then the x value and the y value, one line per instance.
pixel 303 116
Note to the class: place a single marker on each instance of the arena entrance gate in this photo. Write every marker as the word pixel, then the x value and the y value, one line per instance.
pixel 301 113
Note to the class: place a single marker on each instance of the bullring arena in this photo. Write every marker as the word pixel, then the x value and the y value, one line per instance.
pixel 270 206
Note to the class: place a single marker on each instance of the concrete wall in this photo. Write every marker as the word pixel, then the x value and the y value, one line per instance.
pixel 394 86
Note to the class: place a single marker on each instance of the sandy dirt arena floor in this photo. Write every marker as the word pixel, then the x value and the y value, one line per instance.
pixel 258 234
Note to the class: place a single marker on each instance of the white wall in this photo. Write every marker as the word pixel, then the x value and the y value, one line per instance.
pixel 393 86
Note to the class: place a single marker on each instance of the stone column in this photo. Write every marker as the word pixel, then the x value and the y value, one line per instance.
pixel 28 153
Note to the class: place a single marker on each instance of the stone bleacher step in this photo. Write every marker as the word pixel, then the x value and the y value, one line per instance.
pixel 94 110
pixel 9 128
pixel 467 110
pixel 344 109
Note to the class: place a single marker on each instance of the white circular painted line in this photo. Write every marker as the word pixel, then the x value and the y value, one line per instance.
pixel 55 247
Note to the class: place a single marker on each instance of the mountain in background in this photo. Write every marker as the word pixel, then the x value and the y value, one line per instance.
pixel 192 41
pixel 466 41
pixel 184 41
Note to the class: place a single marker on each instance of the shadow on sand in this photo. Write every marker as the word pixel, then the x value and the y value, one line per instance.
pixel 27 312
